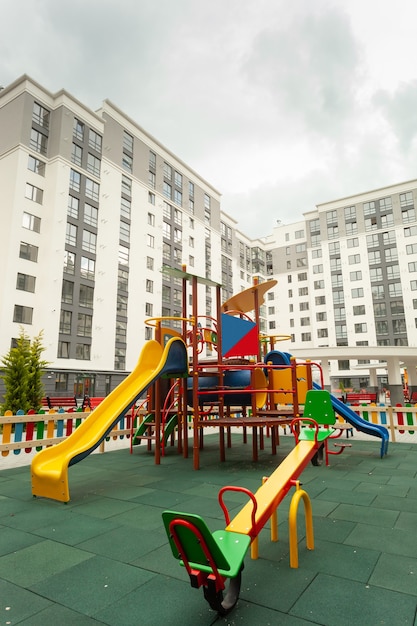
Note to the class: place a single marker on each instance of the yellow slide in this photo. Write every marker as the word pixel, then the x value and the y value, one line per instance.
pixel 50 466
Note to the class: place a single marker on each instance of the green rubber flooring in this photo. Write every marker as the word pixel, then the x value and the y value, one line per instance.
pixel 103 558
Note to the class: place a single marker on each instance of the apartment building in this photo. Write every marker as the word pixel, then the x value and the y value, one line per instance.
pixel 93 207
pixel 348 277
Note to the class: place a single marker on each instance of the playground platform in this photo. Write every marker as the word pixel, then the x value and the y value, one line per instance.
pixel 103 558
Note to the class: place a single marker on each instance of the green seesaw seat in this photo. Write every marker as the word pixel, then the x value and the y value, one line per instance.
pixel 209 558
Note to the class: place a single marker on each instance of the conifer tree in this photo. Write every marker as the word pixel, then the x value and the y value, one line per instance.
pixel 22 369
pixel 36 367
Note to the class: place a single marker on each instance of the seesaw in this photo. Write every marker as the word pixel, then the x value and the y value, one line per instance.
pixel 212 558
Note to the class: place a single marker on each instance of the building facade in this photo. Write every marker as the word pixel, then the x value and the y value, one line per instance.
pixel 92 207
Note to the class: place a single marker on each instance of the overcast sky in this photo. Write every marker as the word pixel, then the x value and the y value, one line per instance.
pixel 279 104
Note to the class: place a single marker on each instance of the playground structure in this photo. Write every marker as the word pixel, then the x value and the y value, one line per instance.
pixel 247 384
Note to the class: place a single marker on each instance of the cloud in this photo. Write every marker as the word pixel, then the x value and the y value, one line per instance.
pixel 399 109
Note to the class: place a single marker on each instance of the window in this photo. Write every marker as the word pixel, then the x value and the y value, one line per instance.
pixel 166 230
pixel 120 358
pixel 125 207
pixel 148 309
pixel 358 292
pixel 94 140
pixel 69 262
pixel 178 197
pixel 320 300
pixel 368 208
pixel 127 142
pixel 412 267
pixel 28 251
pixel 84 325
pixel 92 189
pixel 380 309
pixel 374 257
pixel 25 282
pixel 167 190
pixel 121 332
pixel 73 207
pixel 167 171
pixel 126 186
pixel 302 276
pixel 124 232
pixel 127 162
pixel 67 292
pixel 331 216
pixel 353 243
pixel 75 181
pixel 31 222
pixel 65 321
pixel 389 237
pixel 93 164
pixel 381 327
pixel 149 285
pixel 90 214
pixel 408 216
pixel 82 351
pixel 191 189
pixel 322 332
pixel 393 271
pixel 356 275
pixel 321 317
pixel 343 365
pixel 122 279
pixel 61 381
pixel 353 259
pixel 411 231
pixel 151 219
pixel 150 241
pixel 406 199
pixel 319 284
pixel 86 296
pixel 152 160
pixel 89 241
pixel 378 292
pixel 123 255
pixel 149 263
pixel 375 274
pixel 121 306
pixel 394 290
pixel 22 314
pixel 77 155
pixel 40 115
pixel 178 179
pixel 71 235
pixel 305 321
pixel 88 267
pixel 350 213
pixel 398 326
pixel 63 349
pixel 35 165
pixel 78 129
pixel 38 141
pixel 397 308
pixel 359 309
pixel 151 198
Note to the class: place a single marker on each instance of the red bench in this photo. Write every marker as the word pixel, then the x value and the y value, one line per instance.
pixel 360 398
pixel 91 403
pixel 65 402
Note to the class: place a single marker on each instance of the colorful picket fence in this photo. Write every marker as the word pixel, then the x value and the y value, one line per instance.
pixel 22 433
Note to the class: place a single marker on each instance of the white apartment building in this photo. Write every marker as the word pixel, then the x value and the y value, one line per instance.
pixel 92 207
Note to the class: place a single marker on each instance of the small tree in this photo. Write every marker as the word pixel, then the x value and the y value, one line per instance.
pixel 36 367
pixel 22 374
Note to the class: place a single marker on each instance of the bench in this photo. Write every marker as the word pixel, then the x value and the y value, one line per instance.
pixel 360 398
pixel 65 402
pixel 93 402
